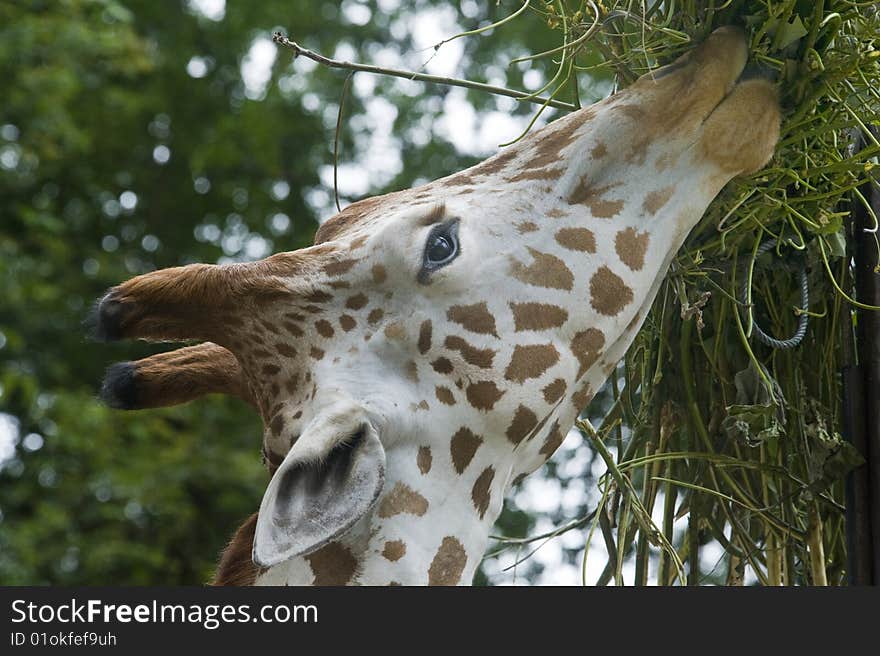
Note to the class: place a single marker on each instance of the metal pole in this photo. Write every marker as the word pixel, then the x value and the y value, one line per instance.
pixel 865 481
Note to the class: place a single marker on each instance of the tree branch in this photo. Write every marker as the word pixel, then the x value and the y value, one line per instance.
pixel 298 50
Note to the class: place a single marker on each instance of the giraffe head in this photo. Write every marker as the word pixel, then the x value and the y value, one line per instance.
pixel 437 344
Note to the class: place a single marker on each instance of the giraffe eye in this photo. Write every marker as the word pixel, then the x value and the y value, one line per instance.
pixel 441 247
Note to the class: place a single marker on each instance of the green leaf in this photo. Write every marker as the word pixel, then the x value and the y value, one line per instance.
pixel 788 33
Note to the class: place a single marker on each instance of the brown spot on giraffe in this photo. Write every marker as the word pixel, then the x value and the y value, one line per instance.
pixel 292 328
pixel 379 274
pixel 537 316
pixel 463 446
pixel 483 395
pixel 545 271
pixel 316 353
pixel 530 361
pixel 553 440
pixel 332 565
pixel 424 459
pixel 599 150
pixel 412 371
pixel 587 347
pixel 356 302
pixel 480 493
pixel 577 239
pixel 375 316
pixel 496 163
pixel 260 353
pixel 442 366
pixel 539 427
pixel 608 293
pixel 357 243
pixel 424 343
pixel 475 318
pixel 347 323
pixel 402 500
pixel 548 149
pixel 524 421
pixel 606 209
pixel 285 349
pixel 556 213
pixel 276 426
pixel 526 227
pixel 444 395
pixel 394 550
pixel 478 357
pixel 339 267
pixel 324 328
pixel 271 327
pixel 317 296
pixel 546 173
pixel 448 564
pixel 631 246
pixel 554 391
pixel 395 331
pixel 593 197
pixel 655 200
pixel 582 397
pixel 464 179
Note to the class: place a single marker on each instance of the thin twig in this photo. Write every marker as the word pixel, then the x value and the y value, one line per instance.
pixel 336 140
pixel 298 50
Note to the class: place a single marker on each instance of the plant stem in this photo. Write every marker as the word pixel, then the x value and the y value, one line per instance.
pixel 816 547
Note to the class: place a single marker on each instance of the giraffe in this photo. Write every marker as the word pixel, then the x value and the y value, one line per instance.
pixel 436 344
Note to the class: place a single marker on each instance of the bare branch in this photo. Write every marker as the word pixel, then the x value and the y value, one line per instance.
pixel 298 50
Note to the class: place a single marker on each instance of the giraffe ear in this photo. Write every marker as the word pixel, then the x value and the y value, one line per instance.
pixel 329 479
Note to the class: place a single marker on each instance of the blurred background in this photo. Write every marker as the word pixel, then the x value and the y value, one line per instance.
pixel 136 135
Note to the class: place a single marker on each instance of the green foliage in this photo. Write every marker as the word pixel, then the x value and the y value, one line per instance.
pixel 744 440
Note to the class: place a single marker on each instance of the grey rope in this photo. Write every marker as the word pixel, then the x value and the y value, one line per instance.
pixel 804 319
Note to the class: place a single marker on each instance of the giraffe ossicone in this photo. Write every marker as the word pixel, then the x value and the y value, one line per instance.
pixel 436 344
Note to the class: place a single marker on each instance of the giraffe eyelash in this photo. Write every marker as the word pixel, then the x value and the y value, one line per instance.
pixel 436 214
